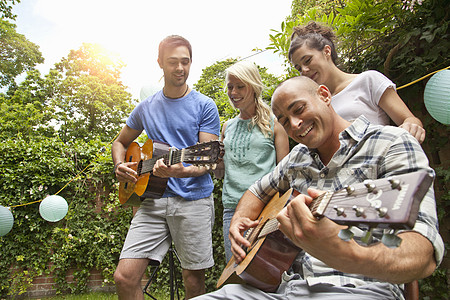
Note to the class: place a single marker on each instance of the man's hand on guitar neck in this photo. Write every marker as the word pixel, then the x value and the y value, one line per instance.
pixel 160 169
pixel 315 236
pixel 124 172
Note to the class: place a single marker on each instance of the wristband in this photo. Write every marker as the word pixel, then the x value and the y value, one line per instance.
pixel 116 165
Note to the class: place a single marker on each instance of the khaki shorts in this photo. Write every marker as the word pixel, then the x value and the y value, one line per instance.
pixel 188 224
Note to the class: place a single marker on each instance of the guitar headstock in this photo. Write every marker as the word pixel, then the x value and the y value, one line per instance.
pixel 387 203
pixel 206 154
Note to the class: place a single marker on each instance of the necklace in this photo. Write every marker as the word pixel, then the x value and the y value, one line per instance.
pixel 187 87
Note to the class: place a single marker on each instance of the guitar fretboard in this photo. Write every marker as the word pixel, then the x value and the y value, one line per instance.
pixel 316 206
pixel 171 158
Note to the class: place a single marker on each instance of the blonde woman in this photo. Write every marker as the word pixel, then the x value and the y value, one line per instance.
pixel 254 140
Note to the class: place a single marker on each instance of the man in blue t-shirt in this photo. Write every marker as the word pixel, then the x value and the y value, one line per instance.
pixel 184 215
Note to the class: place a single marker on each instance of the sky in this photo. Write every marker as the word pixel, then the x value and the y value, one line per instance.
pixel 217 30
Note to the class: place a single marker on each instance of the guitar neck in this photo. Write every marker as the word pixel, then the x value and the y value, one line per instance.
pixel 317 206
pixel 173 157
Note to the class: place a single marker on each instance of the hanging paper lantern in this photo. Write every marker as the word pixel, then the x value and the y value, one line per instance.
pixel 437 96
pixel 53 208
pixel 6 221
pixel 148 90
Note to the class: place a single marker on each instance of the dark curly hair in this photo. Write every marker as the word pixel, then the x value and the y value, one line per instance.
pixel 316 36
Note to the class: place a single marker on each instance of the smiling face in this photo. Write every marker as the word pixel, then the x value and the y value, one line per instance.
pixel 241 95
pixel 303 109
pixel 175 63
pixel 313 63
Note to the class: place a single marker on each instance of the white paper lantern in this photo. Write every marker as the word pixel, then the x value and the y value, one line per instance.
pixel 437 96
pixel 53 208
pixel 6 220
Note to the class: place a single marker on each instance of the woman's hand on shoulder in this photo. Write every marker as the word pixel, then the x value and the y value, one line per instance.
pixel 397 110
pixel 415 130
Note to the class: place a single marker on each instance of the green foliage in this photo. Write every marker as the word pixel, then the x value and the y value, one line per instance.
pixel 39 167
pixel 6 9
pixel 25 111
pixel 17 54
pixel 90 102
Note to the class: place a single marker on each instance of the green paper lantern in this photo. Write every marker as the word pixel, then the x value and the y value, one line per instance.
pixel 6 220
pixel 53 208
pixel 437 96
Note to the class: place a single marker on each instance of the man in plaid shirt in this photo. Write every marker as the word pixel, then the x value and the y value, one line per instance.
pixel 332 153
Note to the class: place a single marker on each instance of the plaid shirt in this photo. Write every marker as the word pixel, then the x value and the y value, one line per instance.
pixel 366 152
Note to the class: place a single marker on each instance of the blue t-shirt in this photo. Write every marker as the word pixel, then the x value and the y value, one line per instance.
pixel 178 122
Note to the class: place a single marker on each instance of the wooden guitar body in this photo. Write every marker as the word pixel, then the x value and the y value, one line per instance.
pixel 205 154
pixel 268 257
pixel 388 203
pixel 147 185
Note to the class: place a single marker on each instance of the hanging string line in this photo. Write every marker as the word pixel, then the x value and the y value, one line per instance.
pixel 421 78
pixel 78 175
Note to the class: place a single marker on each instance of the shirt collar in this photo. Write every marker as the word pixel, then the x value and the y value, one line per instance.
pixel 358 128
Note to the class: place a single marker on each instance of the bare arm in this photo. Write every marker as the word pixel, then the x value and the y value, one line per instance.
pixel 413 259
pixel 118 150
pixel 247 210
pixel 179 170
pixel 281 141
pixel 397 110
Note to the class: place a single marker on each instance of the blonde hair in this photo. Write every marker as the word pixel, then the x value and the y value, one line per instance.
pixel 248 73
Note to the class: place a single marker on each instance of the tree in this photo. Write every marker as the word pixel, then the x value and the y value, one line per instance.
pixel 17 54
pixel 6 9
pixel 26 109
pixel 92 101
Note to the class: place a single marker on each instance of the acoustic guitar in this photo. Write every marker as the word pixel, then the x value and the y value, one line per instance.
pixel 390 203
pixel 205 154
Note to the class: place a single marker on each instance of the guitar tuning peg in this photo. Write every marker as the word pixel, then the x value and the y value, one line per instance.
pixel 367 238
pixel 370 185
pixel 382 211
pixel 358 210
pixel 395 183
pixel 391 240
pixel 208 167
pixel 339 210
pixel 213 166
pixel 346 234
pixel 350 190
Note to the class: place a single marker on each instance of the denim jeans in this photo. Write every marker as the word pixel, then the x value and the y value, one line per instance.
pixel 227 215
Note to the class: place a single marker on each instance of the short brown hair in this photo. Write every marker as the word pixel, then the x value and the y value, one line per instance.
pixel 173 41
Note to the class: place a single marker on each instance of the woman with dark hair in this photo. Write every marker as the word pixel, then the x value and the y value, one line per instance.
pixel 313 54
